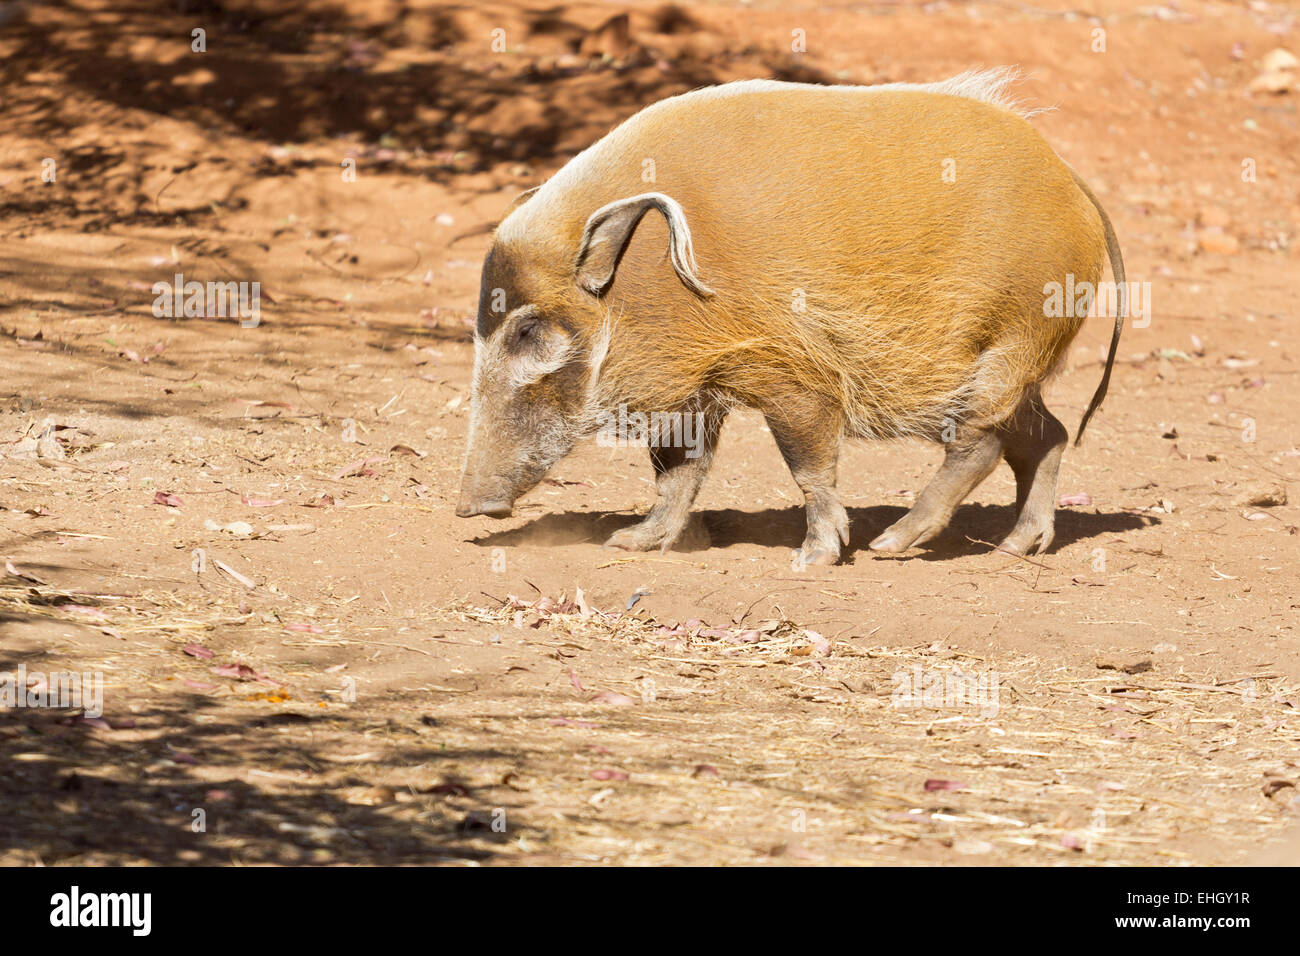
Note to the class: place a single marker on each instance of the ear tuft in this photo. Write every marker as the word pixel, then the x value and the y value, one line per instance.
pixel 609 230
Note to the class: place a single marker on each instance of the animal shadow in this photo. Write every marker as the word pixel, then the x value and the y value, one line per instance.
pixel 785 528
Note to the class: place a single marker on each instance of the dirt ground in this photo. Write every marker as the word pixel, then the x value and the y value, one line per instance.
pixel 307 658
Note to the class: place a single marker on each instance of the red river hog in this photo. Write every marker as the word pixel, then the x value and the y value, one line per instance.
pixel 861 261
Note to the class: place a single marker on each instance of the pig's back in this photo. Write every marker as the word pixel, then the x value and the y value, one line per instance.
pixel 886 246
pixel 775 175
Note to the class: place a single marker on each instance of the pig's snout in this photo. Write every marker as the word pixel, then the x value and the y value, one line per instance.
pixel 494 508
pixel 478 497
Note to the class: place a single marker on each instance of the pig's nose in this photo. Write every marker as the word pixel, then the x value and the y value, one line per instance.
pixel 493 509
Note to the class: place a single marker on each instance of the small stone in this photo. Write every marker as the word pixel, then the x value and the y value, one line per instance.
pixel 1212 216
pixel 1214 239
pixel 199 77
pixel 1128 665
pixel 1278 59
pixel 1261 496
pixel 1275 81
pixel 374 797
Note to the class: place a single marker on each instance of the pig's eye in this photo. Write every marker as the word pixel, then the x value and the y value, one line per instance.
pixel 527 332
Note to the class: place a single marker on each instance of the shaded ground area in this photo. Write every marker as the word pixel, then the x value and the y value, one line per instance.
pixel 248 532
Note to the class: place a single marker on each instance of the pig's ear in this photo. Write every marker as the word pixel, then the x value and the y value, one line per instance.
pixel 609 230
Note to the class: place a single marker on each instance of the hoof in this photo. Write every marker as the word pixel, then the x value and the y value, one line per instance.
pixel 903 535
pixel 817 557
pixel 634 538
pixel 888 542
pixel 1027 542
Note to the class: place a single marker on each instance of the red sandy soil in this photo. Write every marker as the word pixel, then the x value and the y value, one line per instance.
pixel 401 698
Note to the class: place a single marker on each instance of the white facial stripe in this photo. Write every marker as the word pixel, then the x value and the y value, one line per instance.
pixel 599 352
pixel 493 347
pixel 526 309
pixel 526 371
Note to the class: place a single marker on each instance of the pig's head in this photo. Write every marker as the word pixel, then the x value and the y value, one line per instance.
pixel 540 341
pixel 528 407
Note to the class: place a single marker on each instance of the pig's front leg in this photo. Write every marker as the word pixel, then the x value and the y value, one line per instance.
pixel 679 473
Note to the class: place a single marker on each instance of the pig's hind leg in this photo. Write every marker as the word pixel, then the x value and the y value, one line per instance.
pixel 1035 440
pixel 968 460
pixel 679 473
